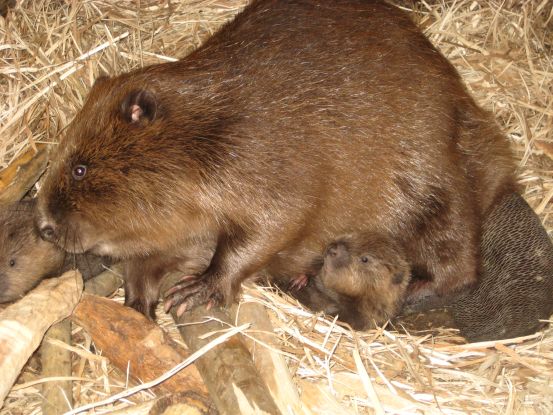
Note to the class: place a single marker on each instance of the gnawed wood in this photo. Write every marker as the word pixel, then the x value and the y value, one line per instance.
pixel 22 174
pixel 321 401
pixel 56 362
pixel 228 371
pixel 23 324
pixel 269 362
pixel 129 340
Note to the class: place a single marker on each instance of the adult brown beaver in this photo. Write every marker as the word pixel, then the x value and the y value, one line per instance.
pixel 297 122
pixel 25 259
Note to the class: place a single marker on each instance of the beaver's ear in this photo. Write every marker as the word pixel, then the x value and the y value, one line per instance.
pixel 139 106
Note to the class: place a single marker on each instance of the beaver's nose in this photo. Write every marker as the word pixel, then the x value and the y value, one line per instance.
pixel 337 254
pixel 47 231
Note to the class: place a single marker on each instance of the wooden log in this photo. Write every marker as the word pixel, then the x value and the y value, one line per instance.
pixel 187 403
pixel 23 324
pixel 18 178
pixel 268 361
pixel 130 340
pixel 106 283
pixel 56 361
pixel 228 370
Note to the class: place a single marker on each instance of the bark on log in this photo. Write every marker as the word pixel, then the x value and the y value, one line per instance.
pixel 270 364
pixel 128 339
pixel 21 175
pixel 23 324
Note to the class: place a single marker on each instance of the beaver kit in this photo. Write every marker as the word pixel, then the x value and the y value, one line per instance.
pixel 363 281
pixel 25 259
pixel 298 122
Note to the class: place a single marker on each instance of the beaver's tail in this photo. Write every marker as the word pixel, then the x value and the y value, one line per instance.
pixel 516 286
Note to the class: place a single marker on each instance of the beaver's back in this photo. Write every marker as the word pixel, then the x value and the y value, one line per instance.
pixel 345 98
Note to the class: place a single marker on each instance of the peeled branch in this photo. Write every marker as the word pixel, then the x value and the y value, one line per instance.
pixel 23 324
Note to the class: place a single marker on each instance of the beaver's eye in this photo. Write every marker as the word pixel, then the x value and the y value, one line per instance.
pixel 79 171
pixel 364 259
pixel 12 262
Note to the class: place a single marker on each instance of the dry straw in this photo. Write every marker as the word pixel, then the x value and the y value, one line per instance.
pixel 51 51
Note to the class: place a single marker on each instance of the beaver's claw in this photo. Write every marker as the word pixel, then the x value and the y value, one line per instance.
pixel 299 282
pixel 191 291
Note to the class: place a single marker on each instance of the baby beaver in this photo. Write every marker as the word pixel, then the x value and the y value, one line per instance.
pixel 363 280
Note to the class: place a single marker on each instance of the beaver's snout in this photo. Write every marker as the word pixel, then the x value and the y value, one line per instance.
pixel 47 231
pixel 44 224
pixel 337 255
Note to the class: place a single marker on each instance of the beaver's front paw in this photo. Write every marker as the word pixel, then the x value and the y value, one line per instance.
pixel 191 291
pixel 298 282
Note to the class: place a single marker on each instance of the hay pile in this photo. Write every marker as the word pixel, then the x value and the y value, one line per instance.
pixel 50 53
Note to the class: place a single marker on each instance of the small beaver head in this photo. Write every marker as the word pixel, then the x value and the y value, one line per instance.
pixel 371 271
pixel 127 173
pixel 25 259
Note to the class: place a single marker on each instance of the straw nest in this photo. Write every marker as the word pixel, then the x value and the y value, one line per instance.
pixel 50 53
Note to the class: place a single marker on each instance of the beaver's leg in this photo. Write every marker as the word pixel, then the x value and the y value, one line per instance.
pixel 445 256
pixel 142 278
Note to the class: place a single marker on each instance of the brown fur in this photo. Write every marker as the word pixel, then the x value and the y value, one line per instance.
pixel 143 275
pixel 25 259
pixel 5 6
pixel 298 122
pixel 364 280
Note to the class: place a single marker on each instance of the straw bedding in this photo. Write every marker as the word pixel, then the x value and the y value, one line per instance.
pixel 51 51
